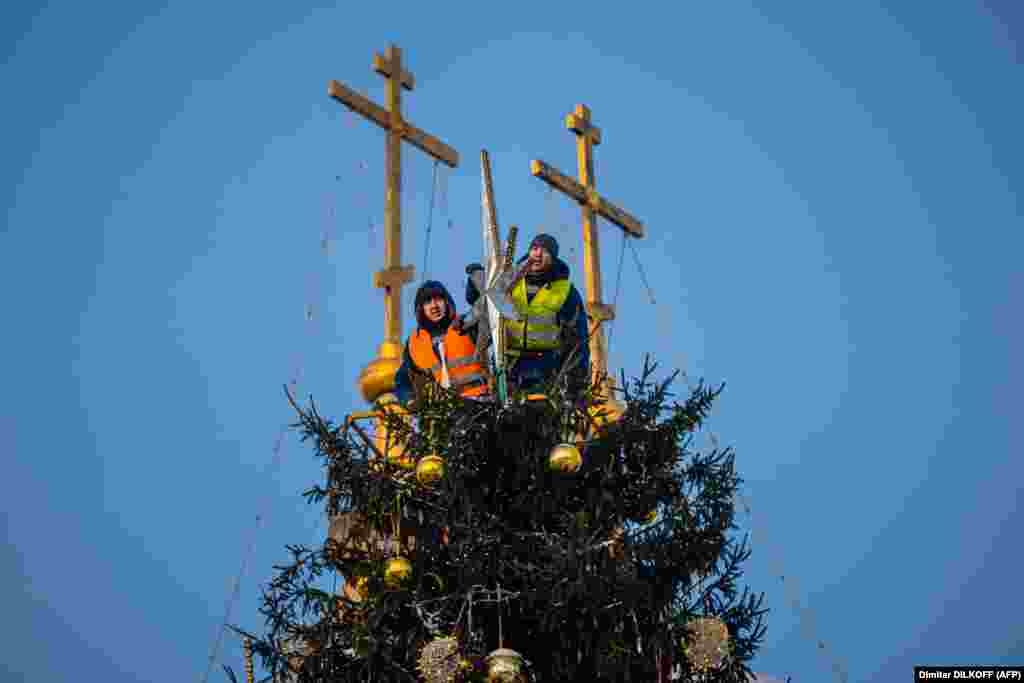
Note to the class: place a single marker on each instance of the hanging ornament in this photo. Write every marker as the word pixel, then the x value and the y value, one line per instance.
pixel 707 643
pixel 565 458
pixel 429 469
pixel 439 660
pixel 397 571
pixel 358 590
pixel 505 666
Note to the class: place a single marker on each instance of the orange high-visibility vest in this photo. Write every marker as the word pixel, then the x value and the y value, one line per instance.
pixel 464 372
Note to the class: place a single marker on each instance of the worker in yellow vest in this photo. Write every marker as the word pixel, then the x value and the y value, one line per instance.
pixel 551 324
pixel 439 351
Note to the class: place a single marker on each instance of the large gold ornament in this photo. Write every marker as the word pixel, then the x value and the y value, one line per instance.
pixel 429 469
pixel 707 643
pixel 397 571
pixel 565 457
pixel 439 660
pixel 378 377
pixel 505 666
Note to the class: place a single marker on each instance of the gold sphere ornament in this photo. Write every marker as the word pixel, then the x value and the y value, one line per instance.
pixel 439 660
pixel 397 571
pixel 707 643
pixel 429 469
pixel 565 457
pixel 505 666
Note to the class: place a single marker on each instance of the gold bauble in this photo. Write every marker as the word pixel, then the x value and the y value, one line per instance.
pixel 429 469
pixel 707 643
pixel 439 660
pixel 358 590
pixel 397 571
pixel 565 457
pixel 378 376
pixel 505 666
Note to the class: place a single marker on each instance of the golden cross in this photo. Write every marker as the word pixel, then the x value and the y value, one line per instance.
pixel 378 377
pixel 585 192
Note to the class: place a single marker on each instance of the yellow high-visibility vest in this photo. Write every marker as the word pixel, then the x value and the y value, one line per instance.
pixel 536 328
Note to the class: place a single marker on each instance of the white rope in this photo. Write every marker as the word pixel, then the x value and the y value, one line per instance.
pixel 312 296
pixel 246 556
pixel 790 587
pixel 430 224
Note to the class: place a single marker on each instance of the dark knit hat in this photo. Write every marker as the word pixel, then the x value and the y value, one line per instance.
pixel 547 243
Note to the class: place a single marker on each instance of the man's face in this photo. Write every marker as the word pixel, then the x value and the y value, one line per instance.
pixel 540 259
pixel 435 309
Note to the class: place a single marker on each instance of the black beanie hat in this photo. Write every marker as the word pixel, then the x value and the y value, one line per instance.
pixel 547 243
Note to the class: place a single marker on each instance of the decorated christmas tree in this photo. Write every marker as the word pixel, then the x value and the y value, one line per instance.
pixel 536 539
pixel 569 532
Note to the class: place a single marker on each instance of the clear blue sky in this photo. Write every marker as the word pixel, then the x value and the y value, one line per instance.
pixel 832 194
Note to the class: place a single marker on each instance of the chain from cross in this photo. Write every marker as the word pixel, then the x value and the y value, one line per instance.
pixel 584 191
pixel 394 275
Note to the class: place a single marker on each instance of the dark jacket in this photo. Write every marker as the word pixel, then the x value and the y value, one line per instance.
pixel 409 378
pixel 573 319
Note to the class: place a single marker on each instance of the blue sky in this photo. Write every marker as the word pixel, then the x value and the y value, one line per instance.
pixel 832 198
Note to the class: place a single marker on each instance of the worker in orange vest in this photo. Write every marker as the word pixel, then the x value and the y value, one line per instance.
pixel 439 351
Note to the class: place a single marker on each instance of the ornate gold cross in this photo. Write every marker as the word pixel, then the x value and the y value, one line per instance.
pixel 585 192
pixel 378 377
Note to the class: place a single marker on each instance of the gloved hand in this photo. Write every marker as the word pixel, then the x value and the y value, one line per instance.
pixel 472 293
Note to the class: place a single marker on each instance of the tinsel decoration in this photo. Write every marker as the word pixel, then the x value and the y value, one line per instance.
pixel 707 643
pixel 439 660
pixel 353 536
pixel 505 666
